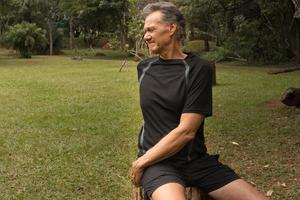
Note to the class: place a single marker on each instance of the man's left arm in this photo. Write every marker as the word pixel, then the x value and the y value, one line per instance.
pixel 168 145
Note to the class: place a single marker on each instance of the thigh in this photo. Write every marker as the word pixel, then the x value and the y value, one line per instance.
pixel 237 190
pixel 161 175
pixel 209 174
pixel 169 191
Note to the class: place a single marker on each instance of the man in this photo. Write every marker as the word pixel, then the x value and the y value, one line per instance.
pixel 175 97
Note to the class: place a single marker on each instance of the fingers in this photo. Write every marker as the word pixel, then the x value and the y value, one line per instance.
pixel 136 180
pixel 135 176
pixel 132 176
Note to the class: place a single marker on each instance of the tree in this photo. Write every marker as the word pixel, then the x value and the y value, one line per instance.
pixel 50 15
pixel 8 13
pixel 72 9
pixel 263 36
pixel 104 18
pixel 200 20
pixel 256 30
pixel 135 25
pixel 26 38
pixel 44 13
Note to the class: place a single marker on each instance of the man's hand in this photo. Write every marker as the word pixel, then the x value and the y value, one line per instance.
pixel 136 172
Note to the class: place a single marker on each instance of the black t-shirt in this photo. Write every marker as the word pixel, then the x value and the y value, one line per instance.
pixel 169 88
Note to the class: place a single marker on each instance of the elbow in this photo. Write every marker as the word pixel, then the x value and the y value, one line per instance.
pixel 189 134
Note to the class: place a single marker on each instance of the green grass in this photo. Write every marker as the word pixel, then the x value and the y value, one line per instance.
pixel 248 111
pixel 68 128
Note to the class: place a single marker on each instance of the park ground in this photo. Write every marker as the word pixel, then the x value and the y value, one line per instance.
pixel 68 128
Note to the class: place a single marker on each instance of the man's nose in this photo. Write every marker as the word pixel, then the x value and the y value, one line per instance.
pixel 147 37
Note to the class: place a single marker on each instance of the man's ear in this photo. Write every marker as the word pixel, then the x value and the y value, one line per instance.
pixel 173 28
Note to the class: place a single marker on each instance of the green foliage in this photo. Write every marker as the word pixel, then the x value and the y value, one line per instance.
pixel 114 41
pixel 216 54
pixel 58 37
pixel 245 38
pixel 197 46
pixel 255 42
pixel 257 31
pixel 100 17
pixel 71 7
pixel 27 38
pixel 219 54
pixel 78 42
pixel 135 24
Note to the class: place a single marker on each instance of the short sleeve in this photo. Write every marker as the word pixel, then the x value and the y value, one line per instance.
pixel 139 70
pixel 199 90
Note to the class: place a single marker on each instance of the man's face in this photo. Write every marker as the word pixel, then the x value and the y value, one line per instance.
pixel 157 34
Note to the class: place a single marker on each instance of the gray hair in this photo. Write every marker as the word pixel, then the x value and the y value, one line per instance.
pixel 170 14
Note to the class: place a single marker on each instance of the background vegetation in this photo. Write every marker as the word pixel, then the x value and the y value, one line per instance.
pixel 256 31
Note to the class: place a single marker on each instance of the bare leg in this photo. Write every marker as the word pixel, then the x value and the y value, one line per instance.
pixel 237 190
pixel 168 191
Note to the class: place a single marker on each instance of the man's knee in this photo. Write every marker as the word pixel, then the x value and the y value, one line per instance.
pixel 174 191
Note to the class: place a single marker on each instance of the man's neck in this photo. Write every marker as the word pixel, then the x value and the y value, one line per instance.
pixel 173 51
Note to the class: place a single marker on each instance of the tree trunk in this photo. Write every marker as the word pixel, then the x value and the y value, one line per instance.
pixel 285 70
pixel 123 31
pixel 225 25
pixel 214 74
pixel 297 24
pixel 206 43
pixel 71 32
pixel 188 31
pixel 50 38
pixel 192 33
pixel 137 45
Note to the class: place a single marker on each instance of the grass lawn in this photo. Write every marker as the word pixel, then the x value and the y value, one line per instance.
pixel 68 128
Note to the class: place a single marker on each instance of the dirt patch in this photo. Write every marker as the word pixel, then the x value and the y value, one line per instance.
pixel 4 51
pixel 31 62
pixel 274 104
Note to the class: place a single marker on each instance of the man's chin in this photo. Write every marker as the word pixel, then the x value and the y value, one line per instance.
pixel 154 51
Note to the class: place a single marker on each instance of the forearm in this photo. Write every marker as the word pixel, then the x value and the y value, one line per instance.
pixel 167 146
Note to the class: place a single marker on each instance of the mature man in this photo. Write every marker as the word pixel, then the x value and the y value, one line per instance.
pixel 175 98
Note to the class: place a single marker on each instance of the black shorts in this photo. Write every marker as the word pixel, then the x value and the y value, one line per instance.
pixel 206 173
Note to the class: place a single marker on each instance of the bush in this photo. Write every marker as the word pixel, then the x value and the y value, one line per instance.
pixel 197 46
pixel 219 54
pixel 26 38
pixel 57 40
pixel 257 45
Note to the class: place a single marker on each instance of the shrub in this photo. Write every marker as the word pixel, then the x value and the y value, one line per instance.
pixel 219 54
pixel 26 38
pixel 197 46
pixel 251 41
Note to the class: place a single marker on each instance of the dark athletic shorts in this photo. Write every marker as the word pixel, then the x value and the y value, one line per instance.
pixel 206 173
